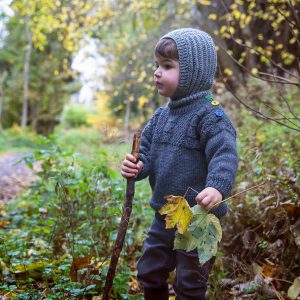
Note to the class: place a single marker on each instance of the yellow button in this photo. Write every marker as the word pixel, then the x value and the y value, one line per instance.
pixel 215 102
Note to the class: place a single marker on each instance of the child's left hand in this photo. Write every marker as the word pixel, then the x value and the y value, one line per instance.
pixel 208 197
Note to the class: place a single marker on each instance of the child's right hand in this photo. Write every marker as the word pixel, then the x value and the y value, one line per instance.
pixel 130 168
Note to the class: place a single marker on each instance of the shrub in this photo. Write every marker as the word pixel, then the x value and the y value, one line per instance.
pixel 75 115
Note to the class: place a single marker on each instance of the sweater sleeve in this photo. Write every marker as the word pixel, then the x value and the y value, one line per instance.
pixel 145 146
pixel 218 138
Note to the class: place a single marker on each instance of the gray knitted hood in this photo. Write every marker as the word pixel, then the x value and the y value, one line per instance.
pixel 197 61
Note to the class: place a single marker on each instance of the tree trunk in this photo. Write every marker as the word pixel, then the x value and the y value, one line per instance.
pixel 26 74
pixel 2 78
pixel 201 20
pixel 127 119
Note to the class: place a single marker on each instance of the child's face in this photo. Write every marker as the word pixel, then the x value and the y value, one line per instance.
pixel 166 76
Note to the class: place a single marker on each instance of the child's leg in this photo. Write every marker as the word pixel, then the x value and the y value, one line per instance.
pixel 157 261
pixel 191 278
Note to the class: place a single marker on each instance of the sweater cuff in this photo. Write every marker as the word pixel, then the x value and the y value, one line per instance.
pixel 222 185
pixel 144 172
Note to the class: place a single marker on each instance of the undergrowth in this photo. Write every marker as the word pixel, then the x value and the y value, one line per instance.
pixel 56 239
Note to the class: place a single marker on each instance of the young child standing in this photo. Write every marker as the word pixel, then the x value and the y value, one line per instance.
pixel 188 143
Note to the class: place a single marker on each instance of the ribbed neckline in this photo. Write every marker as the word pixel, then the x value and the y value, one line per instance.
pixel 186 103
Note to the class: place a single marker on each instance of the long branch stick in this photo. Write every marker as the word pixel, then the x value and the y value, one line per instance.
pixel 127 207
pixel 250 188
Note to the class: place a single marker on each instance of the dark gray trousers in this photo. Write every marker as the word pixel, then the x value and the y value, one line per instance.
pixel 159 259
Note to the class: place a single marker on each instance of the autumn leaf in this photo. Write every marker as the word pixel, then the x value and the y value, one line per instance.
pixel 178 213
pixel 294 289
pixel 204 233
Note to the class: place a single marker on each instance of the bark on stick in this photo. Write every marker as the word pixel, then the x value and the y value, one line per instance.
pixel 127 207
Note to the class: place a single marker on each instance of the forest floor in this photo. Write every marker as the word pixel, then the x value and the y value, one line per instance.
pixel 15 175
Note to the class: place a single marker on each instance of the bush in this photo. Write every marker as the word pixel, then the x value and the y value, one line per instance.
pixel 261 233
pixel 14 139
pixel 56 240
pixel 74 116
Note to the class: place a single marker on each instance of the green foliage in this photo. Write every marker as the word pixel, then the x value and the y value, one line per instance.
pixel 13 140
pixel 203 234
pixel 261 226
pixel 130 35
pixel 75 116
pixel 70 214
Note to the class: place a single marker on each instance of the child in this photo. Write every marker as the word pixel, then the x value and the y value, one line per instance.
pixel 188 143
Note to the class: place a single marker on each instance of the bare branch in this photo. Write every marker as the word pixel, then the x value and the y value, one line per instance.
pixel 287 103
pixel 290 23
pixel 284 117
pixel 258 113
pixel 284 80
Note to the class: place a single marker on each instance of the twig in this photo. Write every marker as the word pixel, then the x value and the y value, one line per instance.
pixel 189 188
pixel 250 188
pixel 258 113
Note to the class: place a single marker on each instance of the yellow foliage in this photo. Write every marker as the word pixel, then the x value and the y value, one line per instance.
pixel 178 213
pixel 33 266
pixel 231 30
pixel 236 14
pixel 142 101
pixel 260 36
pixel 212 17
pixel 264 59
pixel 223 29
pixel 228 72
pixel 142 76
pixel 254 71
pixel 205 2
pixel 102 118
pixel 16 128
pixel 261 138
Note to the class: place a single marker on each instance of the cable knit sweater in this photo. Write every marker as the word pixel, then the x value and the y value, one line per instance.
pixel 191 141
pixel 189 145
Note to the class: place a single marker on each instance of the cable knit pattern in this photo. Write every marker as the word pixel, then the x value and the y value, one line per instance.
pixel 189 146
pixel 191 141
pixel 197 61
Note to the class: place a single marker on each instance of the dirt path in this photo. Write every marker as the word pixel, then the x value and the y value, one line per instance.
pixel 14 176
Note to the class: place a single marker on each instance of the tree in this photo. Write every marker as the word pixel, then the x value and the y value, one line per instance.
pixel 56 30
pixel 261 41
pixel 2 78
pixel 128 35
pixel 26 73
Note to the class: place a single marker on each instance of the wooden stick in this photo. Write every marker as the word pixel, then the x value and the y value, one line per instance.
pixel 250 188
pixel 127 207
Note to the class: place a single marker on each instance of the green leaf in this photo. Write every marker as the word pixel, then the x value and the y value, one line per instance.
pixel 204 233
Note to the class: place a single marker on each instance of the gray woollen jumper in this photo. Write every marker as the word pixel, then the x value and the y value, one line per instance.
pixel 190 142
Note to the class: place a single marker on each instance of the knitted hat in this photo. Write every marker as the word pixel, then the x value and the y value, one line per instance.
pixel 197 61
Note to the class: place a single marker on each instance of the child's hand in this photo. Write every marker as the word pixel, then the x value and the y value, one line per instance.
pixel 130 168
pixel 208 197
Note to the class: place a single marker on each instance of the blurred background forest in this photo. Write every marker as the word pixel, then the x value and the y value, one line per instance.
pixel 76 80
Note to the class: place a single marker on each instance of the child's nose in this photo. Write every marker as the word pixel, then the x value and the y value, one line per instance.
pixel 157 73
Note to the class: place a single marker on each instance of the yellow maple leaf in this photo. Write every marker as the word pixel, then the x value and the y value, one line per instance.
pixel 178 213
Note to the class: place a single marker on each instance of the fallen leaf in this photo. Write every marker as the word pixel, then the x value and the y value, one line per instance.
pixel 292 210
pixel 33 266
pixel 79 263
pixel 270 271
pixel 4 223
pixel 294 289
pixel 178 213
